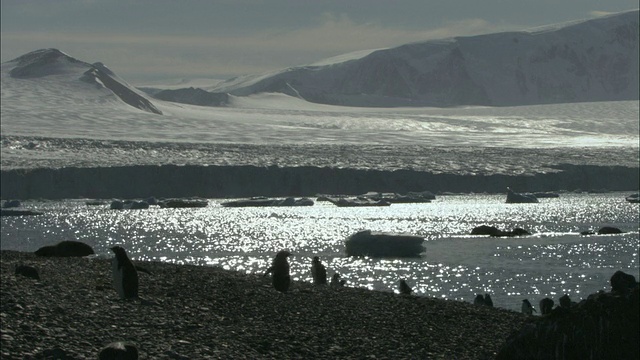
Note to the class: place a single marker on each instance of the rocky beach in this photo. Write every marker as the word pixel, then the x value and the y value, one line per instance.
pixel 201 312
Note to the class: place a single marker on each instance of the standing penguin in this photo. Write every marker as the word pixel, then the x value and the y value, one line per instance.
pixel 280 271
pixel 318 271
pixel 546 305
pixel 527 308
pixel 487 300
pixel 125 275
pixel 565 301
pixel 336 281
pixel 404 288
pixel 479 300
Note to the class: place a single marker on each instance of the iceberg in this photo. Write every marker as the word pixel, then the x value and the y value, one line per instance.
pixel 376 244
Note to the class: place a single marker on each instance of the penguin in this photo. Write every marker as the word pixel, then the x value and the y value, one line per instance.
pixel 125 275
pixel 336 282
pixel 479 300
pixel 487 300
pixel 404 288
pixel 279 269
pixel 527 308
pixel 318 271
pixel 546 305
pixel 565 301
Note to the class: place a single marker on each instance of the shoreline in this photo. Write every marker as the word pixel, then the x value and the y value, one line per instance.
pixel 174 181
pixel 207 312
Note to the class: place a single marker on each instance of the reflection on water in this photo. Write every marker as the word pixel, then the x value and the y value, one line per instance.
pixel 554 261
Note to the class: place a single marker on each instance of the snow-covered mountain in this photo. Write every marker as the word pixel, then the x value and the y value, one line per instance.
pixel 45 67
pixel 592 60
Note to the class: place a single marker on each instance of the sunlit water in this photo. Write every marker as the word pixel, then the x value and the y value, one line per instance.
pixel 554 261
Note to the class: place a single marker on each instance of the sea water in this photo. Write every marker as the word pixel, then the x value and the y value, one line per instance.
pixel 555 260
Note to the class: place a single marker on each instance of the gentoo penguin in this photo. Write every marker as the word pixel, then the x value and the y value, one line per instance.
pixel 404 288
pixel 487 300
pixel 336 282
pixel 280 271
pixel 527 308
pixel 318 271
pixel 479 300
pixel 125 275
pixel 546 305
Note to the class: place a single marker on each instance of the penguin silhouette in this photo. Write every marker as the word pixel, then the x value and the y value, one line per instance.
pixel 527 308
pixel 404 288
pixel 279 271
pixel 546 305
pixel 125 275
pixel 318 271
pixel 479 300
pixel 565 301
pixel 336 281
pixel 487 300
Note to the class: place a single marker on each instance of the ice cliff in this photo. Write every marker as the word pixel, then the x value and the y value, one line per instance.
pixel 244 181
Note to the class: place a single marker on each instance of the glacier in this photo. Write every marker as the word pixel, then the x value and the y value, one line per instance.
pixel 73 128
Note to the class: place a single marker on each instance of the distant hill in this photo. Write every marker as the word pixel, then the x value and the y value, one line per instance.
pixel 591 60
pixel 53 63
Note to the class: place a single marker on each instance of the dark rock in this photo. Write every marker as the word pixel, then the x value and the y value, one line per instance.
pixel 263 201
pixel 182 203
pixel 519 232
pixel 117 205
pixel 604 326
pixel 633 198
pixel 494 231
pixel 587 232
pixel 394 198
pixel 129 204
pixel 119 351
pixel 357 201
pixel 486 230
pixel 5 212
pixel 28 271
pixel 65 249
pixel 56 354
pixel 11 204
pixel 609 230
pixel 135 205
pixel 622 282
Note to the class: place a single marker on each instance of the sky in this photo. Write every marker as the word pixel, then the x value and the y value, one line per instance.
pixel 152 40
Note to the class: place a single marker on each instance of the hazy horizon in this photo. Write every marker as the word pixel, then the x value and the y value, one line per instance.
pixel 146 41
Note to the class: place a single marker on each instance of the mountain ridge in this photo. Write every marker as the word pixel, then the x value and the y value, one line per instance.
pixel 44 63
pixel 579 61
pixel 591 60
